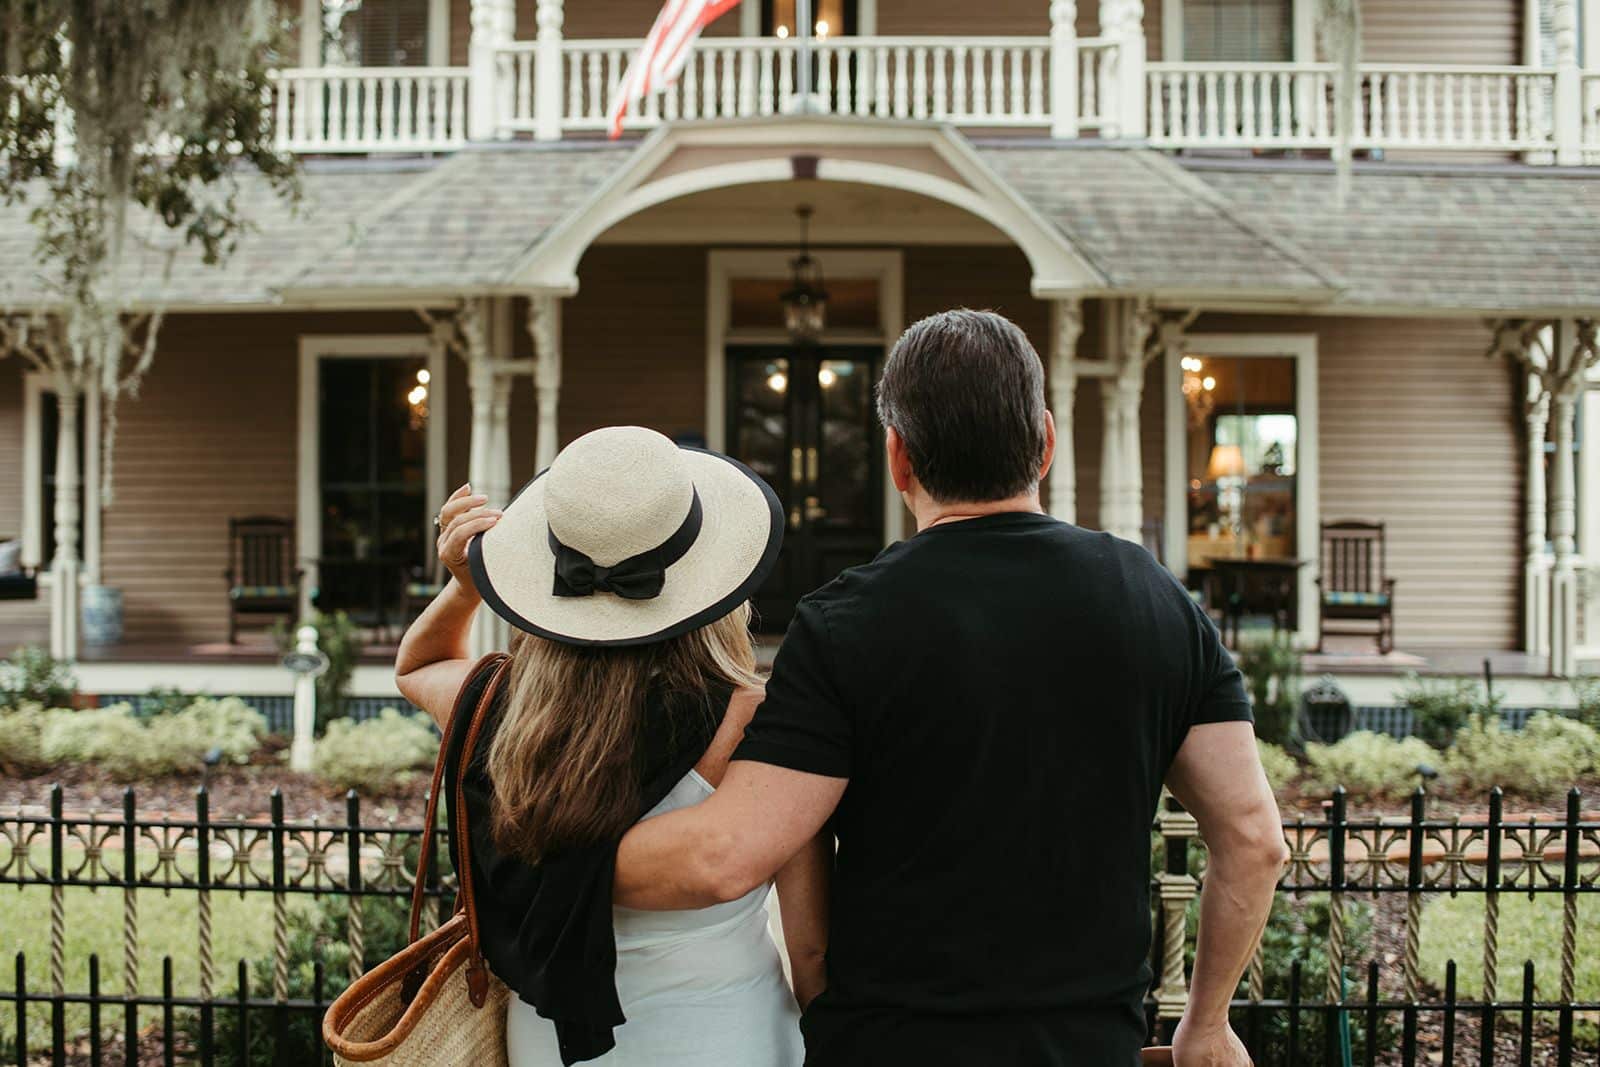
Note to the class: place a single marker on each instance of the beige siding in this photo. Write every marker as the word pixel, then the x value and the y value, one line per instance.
pixel 1442 31
pixel 1418 430
pixel 634 341
pixel 212 435
pixel 11 474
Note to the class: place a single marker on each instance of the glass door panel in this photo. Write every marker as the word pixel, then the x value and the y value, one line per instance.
pixel 373 464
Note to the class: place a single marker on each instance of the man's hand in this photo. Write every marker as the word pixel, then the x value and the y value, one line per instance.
pixel 1198 1046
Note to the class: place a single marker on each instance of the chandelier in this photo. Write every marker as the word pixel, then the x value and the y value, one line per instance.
pixel 805 302
pixel 1199 391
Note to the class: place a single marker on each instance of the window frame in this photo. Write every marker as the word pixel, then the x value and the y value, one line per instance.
pixel 34 385
pixel 1303 36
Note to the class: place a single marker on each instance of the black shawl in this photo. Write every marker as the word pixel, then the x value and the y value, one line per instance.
pixel 546 929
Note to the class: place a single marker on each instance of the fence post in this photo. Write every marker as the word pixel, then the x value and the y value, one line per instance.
pixel 1491 929
pixel 1177 887
pixel 1569 84
pixel 1336 879
pixel 1063 69
pixel 305 702
pixel 547 71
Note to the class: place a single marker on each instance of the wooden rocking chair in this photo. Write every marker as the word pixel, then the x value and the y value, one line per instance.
pixel 262 577
pixel 1353 582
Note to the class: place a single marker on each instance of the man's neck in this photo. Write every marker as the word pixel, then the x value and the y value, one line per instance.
pixel 931 513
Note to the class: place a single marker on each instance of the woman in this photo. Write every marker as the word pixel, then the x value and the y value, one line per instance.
pixel 627 568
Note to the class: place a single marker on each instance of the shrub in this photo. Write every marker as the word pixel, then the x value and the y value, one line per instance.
pixel 1271 667
pixel 32 676
pixel 339 638
pixel 1366 762
pixel 126 747
pixel 375 755
pixel 1441 707
pixel 1281 767
pixel 22 741
pixel 1550 752
pixel 1586 690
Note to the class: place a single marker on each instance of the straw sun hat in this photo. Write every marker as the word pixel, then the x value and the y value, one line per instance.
pixel 628 539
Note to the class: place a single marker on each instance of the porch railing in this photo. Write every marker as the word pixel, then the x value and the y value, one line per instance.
pixel 1291 105
pixel 982 81
pixel 975 82
pixel 371 109
pixel 1289 1010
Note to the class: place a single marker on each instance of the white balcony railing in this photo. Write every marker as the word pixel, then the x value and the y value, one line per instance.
pixel 1291 105
pixel 371 109
pixel 981 81
pixel 977 83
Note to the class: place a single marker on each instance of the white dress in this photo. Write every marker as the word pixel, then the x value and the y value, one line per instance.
pixel 699 987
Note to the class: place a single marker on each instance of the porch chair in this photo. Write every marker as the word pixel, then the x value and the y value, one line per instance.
pixel 262 577
pixel 1353 582
pixel 420 585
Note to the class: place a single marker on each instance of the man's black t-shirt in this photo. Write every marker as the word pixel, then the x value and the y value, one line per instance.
pixel 1005 695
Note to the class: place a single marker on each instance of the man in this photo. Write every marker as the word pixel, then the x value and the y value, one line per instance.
pixel 987 712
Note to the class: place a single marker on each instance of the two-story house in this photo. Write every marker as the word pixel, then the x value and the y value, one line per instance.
pixel 477 275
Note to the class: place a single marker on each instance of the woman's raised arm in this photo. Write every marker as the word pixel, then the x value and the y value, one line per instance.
pixel 433 659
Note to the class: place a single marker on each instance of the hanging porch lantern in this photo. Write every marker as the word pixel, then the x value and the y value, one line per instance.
pixel 805 302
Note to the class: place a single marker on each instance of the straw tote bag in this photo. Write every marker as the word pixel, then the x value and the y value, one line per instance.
pixel 435 1002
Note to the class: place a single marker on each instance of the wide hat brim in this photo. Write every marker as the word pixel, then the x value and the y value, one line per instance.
pixel 741 530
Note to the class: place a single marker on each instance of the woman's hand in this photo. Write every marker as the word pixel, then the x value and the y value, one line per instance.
pixel 463 516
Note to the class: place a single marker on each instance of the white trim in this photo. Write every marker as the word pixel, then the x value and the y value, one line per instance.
pixel 194 675
pixel 439 33
pixel 1057 266
pixel 750 19
pixel 723 266
pixel 308 482
pixel 311 33
pixel 1302 40
pixel 34 385
pixel 1302 348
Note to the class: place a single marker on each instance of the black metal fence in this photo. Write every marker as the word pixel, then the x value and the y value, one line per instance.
pixel 1330 1001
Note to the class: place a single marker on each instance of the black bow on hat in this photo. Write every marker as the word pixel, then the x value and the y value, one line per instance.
pixel 639 577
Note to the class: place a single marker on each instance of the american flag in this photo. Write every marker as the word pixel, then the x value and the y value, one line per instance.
pixel 665 52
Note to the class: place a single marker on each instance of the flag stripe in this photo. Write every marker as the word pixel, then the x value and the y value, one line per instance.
pixel 664 53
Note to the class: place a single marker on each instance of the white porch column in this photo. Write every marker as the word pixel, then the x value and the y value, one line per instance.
pixel 489 460
pixel 1063 68
pixel 1535 565
pixel 544 325
pixel 1569 84
pixel 1576 351
pixel 65 567
pixel 1066 326
pixel 1123 22
pixel 1122 464
pixel 493 24
pixel 549 16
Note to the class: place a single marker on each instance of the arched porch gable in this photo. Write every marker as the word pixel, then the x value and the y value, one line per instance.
pixel 927 160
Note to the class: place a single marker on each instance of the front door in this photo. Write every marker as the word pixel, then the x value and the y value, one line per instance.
pixel 801 417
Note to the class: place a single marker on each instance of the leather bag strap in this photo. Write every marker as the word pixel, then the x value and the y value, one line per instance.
pixel 500 661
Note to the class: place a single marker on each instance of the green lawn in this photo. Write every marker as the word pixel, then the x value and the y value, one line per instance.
pixel 1452 928
pixel 168 926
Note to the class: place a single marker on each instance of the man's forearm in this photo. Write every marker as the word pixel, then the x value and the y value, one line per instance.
pixel 674 862
pixel 1234 905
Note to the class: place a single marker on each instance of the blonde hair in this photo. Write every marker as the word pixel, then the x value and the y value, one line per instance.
pixel 565 760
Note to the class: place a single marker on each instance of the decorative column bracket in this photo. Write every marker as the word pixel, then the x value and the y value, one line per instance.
pixel 1560 368
pixel 1066 328
pixel 1140 332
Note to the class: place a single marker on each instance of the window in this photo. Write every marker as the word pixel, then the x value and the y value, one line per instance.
pixel 833 18
pixel 375 33
pixel 1250 31
pixel 373 473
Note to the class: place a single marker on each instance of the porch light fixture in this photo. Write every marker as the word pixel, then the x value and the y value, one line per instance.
pixel 805 302
pixel 417 401
pixel 1198 391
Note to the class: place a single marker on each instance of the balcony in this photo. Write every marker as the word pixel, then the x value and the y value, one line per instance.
pixel 1060 86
